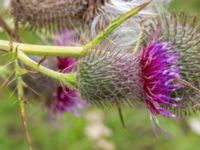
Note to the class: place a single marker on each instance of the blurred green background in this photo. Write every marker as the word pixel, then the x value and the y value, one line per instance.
pixel 72 133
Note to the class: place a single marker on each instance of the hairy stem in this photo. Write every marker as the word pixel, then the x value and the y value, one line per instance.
pixel 67 79
pixel 42 49
pixel 20 93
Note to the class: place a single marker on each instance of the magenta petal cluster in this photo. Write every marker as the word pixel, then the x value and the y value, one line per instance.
pixel 160 73
pixel 67 100
pixel 66 65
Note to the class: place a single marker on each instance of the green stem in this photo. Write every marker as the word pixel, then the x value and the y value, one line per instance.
pixel 112 26
pixel 72 51
pixel 42 49
pixel 20 93
pixel 67 79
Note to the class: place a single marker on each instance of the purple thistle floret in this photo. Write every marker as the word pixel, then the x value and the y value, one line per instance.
pixel 66 65
pixel 160 73
pixel 67 100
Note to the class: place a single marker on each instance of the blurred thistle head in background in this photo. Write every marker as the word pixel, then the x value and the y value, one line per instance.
pixel 67 100
pixel 55 15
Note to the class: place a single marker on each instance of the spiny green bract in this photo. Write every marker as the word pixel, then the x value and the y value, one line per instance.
pixel 109 76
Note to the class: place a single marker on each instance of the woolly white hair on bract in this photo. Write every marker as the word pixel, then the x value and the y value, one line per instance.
pixel 127 34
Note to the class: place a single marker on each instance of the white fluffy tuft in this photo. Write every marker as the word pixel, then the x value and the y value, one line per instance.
pixel 126 35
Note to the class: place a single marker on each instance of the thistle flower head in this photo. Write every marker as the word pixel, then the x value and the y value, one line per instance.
pixel 163 74
pixel 182 32
pixel 110 76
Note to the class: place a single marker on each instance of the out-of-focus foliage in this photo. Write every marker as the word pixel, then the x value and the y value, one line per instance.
pixel 189 6
pixel 68 133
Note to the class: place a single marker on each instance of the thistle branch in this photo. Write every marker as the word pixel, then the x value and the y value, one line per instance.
pixel 67 79
pixel 72 51
pixel 20 93
pixel 20 49
pixel 42 50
